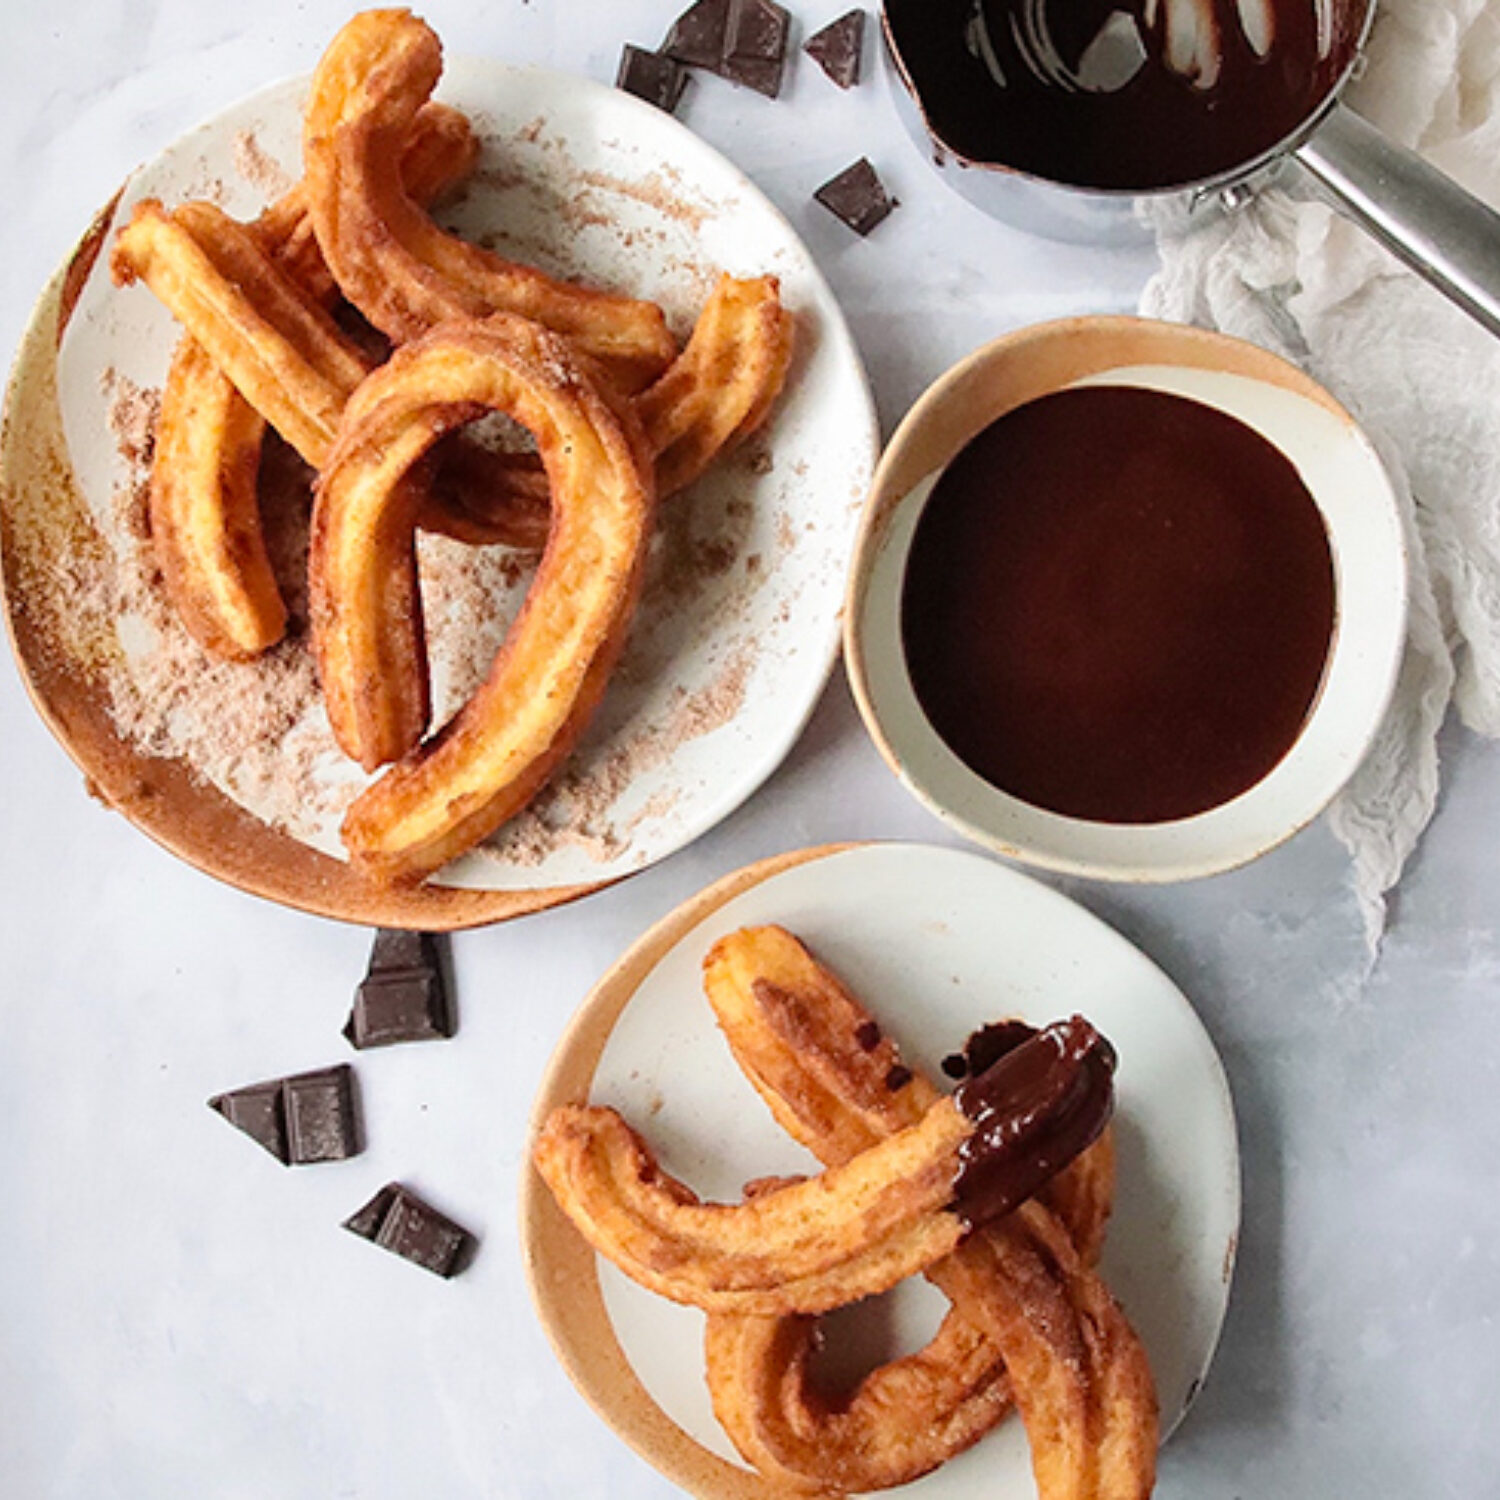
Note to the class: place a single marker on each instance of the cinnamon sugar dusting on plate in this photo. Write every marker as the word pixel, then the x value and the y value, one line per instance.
pixel 577 809
pixel 258 167
pixel 258 730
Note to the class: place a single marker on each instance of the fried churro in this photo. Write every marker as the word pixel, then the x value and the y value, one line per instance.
pixel 205 516
pixel 1029 1318
pixel 393 263
pixel 547 677
pixel 888 1212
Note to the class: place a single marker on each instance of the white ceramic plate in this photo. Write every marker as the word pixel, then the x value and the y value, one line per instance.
pixel 739 624
pixel 936 942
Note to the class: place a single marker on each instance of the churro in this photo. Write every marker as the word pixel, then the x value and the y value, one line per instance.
pixel 888 1212
pixel 392 262
pixel 205 516
pixel 498 750
pixel 1028 1316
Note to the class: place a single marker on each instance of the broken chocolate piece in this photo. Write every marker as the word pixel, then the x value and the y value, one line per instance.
pixel 399 1221
pixel 651 76
pixel 404 997
pixel 697 36
pixel 309 1117
pixel 857 196
pixel 755 45
pixel 839 48
pixel 744 41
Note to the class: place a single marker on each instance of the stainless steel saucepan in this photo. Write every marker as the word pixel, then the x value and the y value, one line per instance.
pixel 1426 219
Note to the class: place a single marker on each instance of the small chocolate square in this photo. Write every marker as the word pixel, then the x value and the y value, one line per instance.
pixel 404 997
pixel 697 36
pixel 755 45
pixel 839 48
pixel 399 1221
pixel 320 1120
pixel 651 76
pixel 857 196
pixel 309 1117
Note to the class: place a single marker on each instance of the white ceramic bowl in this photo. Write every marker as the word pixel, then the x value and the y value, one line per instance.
pixel 1343 474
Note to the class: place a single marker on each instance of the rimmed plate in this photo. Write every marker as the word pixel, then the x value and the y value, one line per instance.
pixel 936 942
pixel 232 767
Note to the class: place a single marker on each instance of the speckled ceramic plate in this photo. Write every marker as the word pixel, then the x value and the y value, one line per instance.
pixel 232 766
pixel 935 942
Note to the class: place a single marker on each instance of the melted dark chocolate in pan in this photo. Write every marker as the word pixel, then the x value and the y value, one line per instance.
pixel 1081 92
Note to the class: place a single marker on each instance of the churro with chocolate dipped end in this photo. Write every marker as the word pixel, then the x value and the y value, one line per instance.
pixel 1028 1316
pixel 890 1211
pixel 549 674
pixel 392 262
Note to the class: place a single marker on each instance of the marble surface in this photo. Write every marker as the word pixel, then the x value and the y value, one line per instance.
pixel 178 1316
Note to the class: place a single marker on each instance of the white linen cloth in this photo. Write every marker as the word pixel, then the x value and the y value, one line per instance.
pixel 1422 378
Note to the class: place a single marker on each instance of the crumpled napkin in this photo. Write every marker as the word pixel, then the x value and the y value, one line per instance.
pixel 1420 376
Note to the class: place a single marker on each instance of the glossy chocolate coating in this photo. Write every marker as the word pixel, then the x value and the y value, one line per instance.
pixel 1118 605
pixel 1081 92
pixel 1033 1111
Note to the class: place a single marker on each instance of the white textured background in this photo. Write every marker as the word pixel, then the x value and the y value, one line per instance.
pixel 180 1317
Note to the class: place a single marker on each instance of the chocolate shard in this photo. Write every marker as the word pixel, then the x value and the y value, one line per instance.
pixel 399 1221
pixel 857 196
pixel 404 996
pixel 839 48
pixel 744 41
pixel 257 1111
pixel 651 76
pixel 309 1117
pixel 697 36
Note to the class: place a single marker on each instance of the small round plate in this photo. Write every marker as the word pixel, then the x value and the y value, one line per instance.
pixel 936 942
pixel 232 766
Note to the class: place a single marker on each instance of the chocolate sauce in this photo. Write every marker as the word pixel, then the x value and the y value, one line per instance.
pixel 1122 94
pixel 986 1047
pixel 1033 1111
pixel 1118 605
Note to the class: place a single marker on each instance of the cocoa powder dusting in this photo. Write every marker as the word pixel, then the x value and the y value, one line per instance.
pixel 261 170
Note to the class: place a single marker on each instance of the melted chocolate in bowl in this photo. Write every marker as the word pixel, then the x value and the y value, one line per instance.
pixel 1126 95
pixel 1119 605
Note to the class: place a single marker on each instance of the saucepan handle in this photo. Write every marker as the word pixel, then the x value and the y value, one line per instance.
pixel 1442 232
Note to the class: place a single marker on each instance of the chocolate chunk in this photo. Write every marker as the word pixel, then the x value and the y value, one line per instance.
pixel 306 1118
pixel 399 1221
pixel 404 997
pixel 755 45
pixel 867 1034
pixel 744 41
pixel 857 196
pixel 898 1077
pixel 698 35
pixel 651 76
pixel 839 48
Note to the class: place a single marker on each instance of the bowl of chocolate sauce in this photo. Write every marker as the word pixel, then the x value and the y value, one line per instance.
pixel 1128 600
